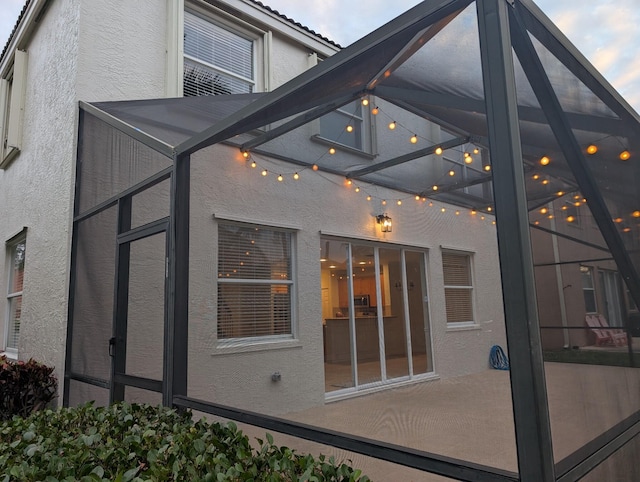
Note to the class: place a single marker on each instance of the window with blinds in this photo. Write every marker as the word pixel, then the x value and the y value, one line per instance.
pixel 254 281
pixel 216 60
pixel 458 287
pixel 17 251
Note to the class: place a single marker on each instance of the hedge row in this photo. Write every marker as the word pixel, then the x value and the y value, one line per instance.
pixel 129 442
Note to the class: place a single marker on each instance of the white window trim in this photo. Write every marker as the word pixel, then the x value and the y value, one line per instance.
pixel 12 109
pixel 592 289
pixel 262 42
pixel 267 342
pixel 462 325
pixel 11 353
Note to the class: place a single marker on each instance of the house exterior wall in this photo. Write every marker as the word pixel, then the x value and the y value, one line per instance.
pixel 36 188
pixel 224 187
pixel 92 51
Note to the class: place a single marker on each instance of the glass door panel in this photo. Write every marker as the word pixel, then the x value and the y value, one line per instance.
pixel 392 284
pixel 338 357
pixel 364 304
pixel 418 312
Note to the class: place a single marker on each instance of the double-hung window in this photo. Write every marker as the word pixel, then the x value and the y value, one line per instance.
pixel 217 60
pixel 458 287
pixel 588 289
pixel 255 285
pixel 12 97
pixel 16 251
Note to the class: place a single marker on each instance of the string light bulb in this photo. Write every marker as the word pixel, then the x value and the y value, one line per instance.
pixel 315 167
pixel 435 187
pixel 487 168
pixel 544 211
pixel 245 154
pixel 392 125
pixel 438 150
pixel 264 172
pixel 570 219
pixel 592 149
pixel 414 139
pixel 536 177
pixel 332 150
pixel 349 128
pixel 452 173
pixel 544 161
pixel 545 182
pixel 253 164
pixel 476 150
pixel 417 198
pixel 280 178
pixel 368 198
pixel 349 182
pixel 625 155
pixel 636 214
pixel 357 189
pixel 365 102
pixel 399 202
pixel 474 212
pixel 375 110
pixel 468 160
pixel 296 176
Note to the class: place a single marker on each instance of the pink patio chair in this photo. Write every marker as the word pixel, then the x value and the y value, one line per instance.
pixel 618 335
pixel 602 336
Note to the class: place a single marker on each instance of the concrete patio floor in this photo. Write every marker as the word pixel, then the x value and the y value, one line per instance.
pixel 470 417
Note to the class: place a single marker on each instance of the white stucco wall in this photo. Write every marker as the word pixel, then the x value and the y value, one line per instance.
pixel 224 186
pixel 36 188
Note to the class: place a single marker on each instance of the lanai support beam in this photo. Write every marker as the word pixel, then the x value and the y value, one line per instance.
pixel 528 387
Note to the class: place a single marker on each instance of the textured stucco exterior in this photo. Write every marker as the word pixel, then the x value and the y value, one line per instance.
pixel 88 50
pixel 225 187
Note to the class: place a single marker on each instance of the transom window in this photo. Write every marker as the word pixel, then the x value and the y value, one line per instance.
pixel 16 256
pixel 458 287
pixel 254 281
pixel 217 60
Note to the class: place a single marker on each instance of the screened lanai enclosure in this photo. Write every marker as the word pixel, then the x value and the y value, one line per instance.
pixel 336 261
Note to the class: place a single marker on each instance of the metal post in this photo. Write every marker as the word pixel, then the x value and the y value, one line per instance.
pixel 176 333
pixel 528 388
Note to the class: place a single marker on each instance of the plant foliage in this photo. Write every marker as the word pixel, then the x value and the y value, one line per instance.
pixel 129 442
pixel 25 387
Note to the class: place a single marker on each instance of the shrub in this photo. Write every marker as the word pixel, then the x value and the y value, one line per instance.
pixel 126 442
pixel 25 387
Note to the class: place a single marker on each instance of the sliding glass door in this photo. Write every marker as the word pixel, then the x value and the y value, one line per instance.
pixel 375 315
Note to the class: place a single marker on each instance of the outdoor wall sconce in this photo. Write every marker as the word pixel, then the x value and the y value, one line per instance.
pixel 385 223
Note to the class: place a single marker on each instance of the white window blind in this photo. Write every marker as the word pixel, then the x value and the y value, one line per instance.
pixel 217 60
pixel 17 253
pixel 254 281
pixel 458 287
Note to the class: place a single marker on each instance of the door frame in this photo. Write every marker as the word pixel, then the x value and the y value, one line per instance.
pixel 118 343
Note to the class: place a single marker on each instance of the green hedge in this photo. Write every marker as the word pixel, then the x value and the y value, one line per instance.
pixel 127 442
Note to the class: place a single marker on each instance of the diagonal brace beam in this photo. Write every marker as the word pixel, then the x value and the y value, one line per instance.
pixel 458 141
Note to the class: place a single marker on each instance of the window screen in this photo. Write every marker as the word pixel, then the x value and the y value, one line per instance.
pixel 458 287
pixel 217 60
pixel 254 281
